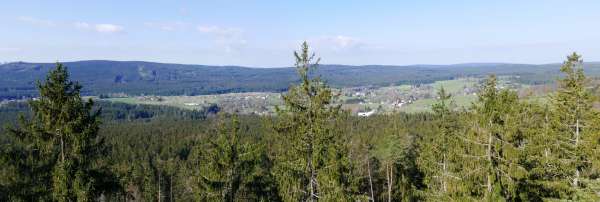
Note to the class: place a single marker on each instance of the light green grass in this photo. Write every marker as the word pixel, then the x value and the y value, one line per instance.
pixel 253 102
pixel 465 100
pixel 424 105
pixel 454 86
pixel 399 88
pixel 127 100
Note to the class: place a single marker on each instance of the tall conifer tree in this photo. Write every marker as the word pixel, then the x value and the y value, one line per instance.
pixel 438 152
pixel 231 168
pixel 313 163
pixel 492 151
pixel 61 138
pixel 576 127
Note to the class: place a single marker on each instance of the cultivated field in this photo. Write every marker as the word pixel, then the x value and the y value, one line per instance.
pixel 402 98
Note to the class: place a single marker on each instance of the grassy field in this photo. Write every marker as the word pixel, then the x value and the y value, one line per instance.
pixel 457 85
pixel 231 102
pixel 399 88
pixel 382 99
pixel 424 105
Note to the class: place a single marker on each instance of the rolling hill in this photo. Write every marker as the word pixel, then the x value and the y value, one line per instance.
pixel 18 79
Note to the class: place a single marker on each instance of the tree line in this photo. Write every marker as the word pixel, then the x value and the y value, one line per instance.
pixel 502 148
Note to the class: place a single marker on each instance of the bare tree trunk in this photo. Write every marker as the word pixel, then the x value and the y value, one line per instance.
pixel 62 146
pixel 576 178
pixel 370 178
pixel 391 181
pixel 389 177
pixel 312 181
pixel 489 158
pixel 577 133
pixel 62 149
pixel 445 173
pixel 159 196
pixel 547 149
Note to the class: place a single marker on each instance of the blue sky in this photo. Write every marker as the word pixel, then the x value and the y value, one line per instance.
pixel 264 33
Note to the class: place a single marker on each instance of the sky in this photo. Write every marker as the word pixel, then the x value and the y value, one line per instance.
pixel 265 33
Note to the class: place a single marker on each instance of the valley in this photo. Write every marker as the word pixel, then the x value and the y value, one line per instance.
pixel 380 100
pixel 299 101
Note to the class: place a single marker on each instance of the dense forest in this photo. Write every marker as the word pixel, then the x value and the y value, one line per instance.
pixel 118 78
pixel 500 149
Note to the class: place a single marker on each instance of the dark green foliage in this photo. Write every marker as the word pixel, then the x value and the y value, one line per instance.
pixel 438 156
pixel 138 78
pixel 576 132
pixel 501 149
pixel 311 163
pixel 494 144
pixel 230 168
pixel 116 112
pixel 113 111
pixel 58 146
pixel 151 156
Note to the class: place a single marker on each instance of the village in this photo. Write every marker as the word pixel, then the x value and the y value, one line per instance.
pixel 360 101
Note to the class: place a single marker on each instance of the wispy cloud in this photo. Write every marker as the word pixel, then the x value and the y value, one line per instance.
pixel 167 26
pixel 101 28
pixel 224 32
pixel 108 28
pixel 337 43
pixel 231 39
pixel 345 41
pixel 82 25
pixel 9 49
pixel 37 21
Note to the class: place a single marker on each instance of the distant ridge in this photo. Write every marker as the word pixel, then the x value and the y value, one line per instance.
pixel 473 64
pixel 140 77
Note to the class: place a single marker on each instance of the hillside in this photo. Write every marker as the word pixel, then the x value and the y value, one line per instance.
pixel 139 78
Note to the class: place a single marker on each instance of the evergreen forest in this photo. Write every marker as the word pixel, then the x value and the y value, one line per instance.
pixel 63 147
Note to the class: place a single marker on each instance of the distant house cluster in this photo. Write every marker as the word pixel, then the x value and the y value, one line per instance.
pixel 366 114
pixel 151 98
pixel 402 102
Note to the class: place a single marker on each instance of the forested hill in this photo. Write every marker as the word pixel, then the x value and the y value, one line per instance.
pixel 135 78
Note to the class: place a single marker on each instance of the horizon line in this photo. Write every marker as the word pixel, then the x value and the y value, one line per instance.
pixel 267 67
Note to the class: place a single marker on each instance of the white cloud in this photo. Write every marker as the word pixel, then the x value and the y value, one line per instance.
pixel 37 21
pixel 345 41
pixel 108 28
pixel 101 28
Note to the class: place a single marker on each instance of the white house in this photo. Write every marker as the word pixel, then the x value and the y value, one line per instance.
pixel 366 114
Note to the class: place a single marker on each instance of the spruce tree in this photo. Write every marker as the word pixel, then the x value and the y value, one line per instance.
pixel 231 169
pixel 438 152
pixel 313 163
pixel 575 124
pixel 62 137
pixel 388 149
pixel 493 146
